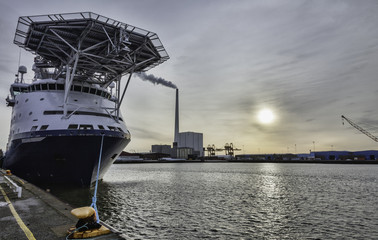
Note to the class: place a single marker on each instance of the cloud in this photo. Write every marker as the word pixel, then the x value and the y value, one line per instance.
pixel 309 61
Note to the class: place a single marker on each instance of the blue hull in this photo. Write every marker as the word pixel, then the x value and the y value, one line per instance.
pixel 63 157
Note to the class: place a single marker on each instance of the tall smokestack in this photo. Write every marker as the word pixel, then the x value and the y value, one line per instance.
pixel 176 139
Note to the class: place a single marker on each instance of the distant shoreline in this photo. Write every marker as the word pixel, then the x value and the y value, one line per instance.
pixel 253 161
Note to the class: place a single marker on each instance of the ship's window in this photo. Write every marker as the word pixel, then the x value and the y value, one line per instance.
pixel 101 127
pixel 103 94
pixel 77 88
pixel 41 99
pixel 34 120
pixel 75 100
pixel 44 86
pixel 38 87
pixel 52 86
pixel 86 89
pixel 93 90
pixel 16 90
pixel 34 128
pixel 19 115
pixel 60 86
pixel 72 126
pixel 112 128
pixel 30 113
pixel 99 92
pixel 24 89
pixel 26 100
pixel 44 127
pixel 86 127
pixel 120 129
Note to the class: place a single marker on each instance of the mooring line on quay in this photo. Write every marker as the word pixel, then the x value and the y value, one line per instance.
pixel 22 225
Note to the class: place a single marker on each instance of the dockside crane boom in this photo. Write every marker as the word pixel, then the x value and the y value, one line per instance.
pixel 359 128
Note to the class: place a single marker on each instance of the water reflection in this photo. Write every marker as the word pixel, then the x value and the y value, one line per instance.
pixel 237 200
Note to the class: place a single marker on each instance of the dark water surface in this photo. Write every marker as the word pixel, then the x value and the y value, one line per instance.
pixel 237 200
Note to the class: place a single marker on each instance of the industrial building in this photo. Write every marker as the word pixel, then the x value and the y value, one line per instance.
pixel 189 146
pixel 166 149
pixel 369 155
pixel 191 140
pixel 346 155
pixel 186 145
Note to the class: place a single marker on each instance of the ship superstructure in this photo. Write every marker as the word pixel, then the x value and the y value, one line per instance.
pixel 60 117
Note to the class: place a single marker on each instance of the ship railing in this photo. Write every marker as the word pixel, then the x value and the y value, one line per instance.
pixel 12 185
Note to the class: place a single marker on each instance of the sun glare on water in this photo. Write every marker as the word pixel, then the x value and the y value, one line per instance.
pixel 265 116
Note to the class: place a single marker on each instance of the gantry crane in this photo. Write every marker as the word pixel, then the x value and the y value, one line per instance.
pixel 228 148
pixel 359 128
pixel 210 150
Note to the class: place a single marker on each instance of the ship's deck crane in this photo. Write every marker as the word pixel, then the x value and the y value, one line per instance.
pixel 359 128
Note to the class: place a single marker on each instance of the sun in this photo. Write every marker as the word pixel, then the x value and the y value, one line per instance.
pixel 265 116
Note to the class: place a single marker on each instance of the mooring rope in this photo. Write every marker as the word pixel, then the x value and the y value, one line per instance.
pixel 94 199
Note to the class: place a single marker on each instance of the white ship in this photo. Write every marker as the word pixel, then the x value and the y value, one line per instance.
pixel 71 107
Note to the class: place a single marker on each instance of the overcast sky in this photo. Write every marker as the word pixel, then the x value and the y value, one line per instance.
pixel 309 62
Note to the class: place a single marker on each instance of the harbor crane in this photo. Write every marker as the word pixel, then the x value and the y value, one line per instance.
pixel 210 150
pixel 359 128
pixel 228 148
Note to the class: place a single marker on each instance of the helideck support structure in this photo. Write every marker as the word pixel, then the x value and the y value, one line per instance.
pixel 87 47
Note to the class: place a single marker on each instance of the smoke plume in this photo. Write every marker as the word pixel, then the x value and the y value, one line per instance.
pixel 156 80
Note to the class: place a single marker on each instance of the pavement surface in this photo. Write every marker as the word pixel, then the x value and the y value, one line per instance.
pixel 40 214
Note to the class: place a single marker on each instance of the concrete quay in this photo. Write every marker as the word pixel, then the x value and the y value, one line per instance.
pixel 36 215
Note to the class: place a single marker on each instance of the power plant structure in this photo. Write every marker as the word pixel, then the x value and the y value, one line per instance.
pixel 186 145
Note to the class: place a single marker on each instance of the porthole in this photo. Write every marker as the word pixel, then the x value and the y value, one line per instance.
pixel 26 100
pixel 41 99
pixel 30 113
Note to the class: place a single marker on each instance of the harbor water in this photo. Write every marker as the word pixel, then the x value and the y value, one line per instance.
pixel 237 200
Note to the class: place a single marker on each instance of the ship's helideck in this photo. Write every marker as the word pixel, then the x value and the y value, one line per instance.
pixel 74 100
